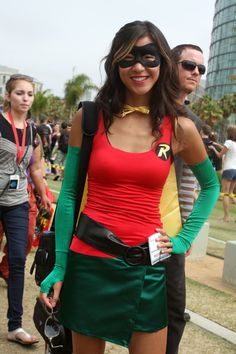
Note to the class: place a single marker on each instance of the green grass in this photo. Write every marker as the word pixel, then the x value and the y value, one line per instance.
pixel 220 230
pixel 54 186
pixel 210 303
pixel 197 340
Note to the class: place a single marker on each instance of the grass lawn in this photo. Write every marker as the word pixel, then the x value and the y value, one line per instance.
pixel 220 230
pixel 54 186
pixel 209 303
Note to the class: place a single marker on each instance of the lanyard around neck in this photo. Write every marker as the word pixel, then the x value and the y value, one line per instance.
pixel 20 149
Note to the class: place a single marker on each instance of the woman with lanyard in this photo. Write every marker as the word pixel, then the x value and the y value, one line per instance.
pixel 18 144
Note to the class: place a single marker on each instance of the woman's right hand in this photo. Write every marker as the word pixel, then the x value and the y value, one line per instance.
pixel 53 282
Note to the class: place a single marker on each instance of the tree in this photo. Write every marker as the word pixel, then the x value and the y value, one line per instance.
pixel 228 105
pixel 56 109
pixel 75 89
pixel 208 110
pixel 40 104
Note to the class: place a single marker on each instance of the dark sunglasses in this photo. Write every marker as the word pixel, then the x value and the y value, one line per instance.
pixel 52 329
pixel 190 66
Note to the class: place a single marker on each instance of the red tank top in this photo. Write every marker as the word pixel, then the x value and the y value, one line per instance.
pixel 124 188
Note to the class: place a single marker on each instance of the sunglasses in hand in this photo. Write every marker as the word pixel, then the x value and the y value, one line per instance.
pixel 190 65
pixel 53 330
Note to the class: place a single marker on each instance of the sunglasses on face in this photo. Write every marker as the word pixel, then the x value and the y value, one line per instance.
pixel 191 65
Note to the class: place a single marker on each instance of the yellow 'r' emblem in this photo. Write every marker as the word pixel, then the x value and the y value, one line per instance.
pixel 163 151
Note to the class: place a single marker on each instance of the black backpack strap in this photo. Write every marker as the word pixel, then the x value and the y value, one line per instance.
pixel 89 127
pixel 89 117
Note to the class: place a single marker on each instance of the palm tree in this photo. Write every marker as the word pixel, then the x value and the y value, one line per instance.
pixel 75 89
pixel 40 104
pixel 56 109
pixel 208 110
pixel 228 104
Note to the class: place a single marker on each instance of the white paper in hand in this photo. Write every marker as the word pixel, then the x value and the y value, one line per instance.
pixel 155 253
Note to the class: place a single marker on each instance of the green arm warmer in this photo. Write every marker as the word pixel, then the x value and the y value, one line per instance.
pixel 64 220
pixel 208 180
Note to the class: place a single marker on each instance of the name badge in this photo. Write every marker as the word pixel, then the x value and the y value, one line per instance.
pixel 14 182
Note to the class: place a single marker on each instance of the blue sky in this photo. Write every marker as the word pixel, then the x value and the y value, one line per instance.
pixel 54 39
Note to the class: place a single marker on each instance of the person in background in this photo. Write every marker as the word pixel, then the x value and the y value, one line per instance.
pixel 18 144
pixel 228 180
pixel 209 139
pixel 61 150
pixel 54 145
pixel 129 164
pixel 33 212
pixel 55 135
pixel 45 132
pixel 190 68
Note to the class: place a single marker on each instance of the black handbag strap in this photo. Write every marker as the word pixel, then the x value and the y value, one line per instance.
pixel 89 128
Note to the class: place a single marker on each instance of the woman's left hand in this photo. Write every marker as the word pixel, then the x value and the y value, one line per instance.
pixel 46 202
pixel 163 241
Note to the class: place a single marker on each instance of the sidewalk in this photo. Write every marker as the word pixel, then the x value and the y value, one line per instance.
pixel 208 271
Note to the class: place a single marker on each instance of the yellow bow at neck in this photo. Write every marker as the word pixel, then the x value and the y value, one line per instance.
pixel 129 109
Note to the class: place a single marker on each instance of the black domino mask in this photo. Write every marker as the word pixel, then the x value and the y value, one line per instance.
pixel 148 55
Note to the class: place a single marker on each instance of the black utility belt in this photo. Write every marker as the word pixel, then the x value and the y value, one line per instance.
pixel 99 237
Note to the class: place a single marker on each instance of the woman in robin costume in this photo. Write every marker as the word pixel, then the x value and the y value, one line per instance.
pixel 113 272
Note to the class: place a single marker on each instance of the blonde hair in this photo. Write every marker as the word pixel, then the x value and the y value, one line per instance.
pixel 11 84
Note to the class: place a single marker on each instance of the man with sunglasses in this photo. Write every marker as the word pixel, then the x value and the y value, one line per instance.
pixel 189 61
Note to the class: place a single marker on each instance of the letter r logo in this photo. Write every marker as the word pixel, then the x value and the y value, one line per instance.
pixel 163 151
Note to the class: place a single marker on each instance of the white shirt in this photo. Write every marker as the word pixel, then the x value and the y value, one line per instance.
pixel 230 155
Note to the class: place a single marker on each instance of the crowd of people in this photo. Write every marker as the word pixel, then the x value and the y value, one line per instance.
pixel 54 139
pixel 149 146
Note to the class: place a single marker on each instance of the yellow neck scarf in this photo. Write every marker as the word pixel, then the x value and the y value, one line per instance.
pixel 129 109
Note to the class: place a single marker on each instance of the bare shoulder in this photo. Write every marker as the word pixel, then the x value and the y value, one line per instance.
pixel 185 130
pixel 76 130
pixel 186 125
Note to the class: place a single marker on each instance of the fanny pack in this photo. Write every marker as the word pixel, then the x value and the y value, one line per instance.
pixel 99 237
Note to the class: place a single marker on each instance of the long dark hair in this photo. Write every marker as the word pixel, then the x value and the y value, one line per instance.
pixel 164 97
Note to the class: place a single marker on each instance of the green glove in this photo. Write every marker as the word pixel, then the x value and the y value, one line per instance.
pixel 210 189
pixel 64 219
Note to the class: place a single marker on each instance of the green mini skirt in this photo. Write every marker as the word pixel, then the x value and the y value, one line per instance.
pixel 108 299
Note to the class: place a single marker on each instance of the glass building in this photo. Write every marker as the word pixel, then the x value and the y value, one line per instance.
pixel 221 73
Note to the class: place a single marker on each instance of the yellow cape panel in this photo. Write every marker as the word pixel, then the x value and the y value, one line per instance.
pixel 169 206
